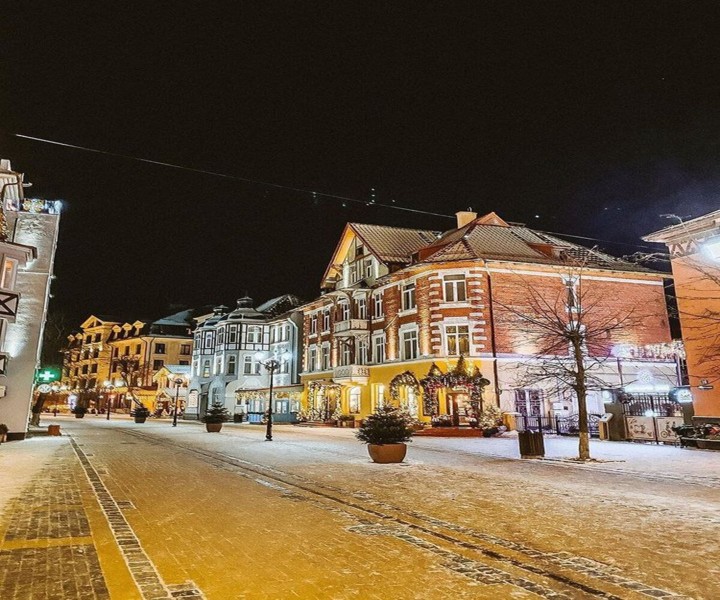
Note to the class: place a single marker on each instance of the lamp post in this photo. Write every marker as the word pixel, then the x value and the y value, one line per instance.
pixel 109 387
pixel 177 381
pixel 272 365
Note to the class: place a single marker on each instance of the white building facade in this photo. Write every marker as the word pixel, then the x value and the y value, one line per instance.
pixel 28 241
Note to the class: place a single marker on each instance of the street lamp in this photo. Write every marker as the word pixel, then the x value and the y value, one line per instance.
pixel 272 365
pixel 109 387
pixel 178 381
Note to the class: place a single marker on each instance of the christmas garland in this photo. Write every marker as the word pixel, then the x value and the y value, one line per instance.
pixel 404 379
pixel 458 376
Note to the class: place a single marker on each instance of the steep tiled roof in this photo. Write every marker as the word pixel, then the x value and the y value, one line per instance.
pixel 517 243
pixel 394 244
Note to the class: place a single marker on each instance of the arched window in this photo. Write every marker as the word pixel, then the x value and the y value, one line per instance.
pixel 354 400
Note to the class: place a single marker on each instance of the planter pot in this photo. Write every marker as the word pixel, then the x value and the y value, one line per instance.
pixel 79 415
pixel 213 427
pixel 140 419
pixel 708 444
pixel 387 453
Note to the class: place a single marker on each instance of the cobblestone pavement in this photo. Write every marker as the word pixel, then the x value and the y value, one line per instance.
pixel 151 511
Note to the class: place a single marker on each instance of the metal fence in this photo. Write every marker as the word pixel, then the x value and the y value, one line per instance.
pixel 660 405
pixel 557 425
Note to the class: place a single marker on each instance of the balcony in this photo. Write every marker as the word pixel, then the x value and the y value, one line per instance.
pixel 351 374
pixel 351 326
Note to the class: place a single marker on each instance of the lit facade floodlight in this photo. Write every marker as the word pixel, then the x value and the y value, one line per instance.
pixel 711 248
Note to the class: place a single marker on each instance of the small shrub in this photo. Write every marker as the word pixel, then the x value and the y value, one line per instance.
pixel 388 425
pixel 217 413
pixel 141 411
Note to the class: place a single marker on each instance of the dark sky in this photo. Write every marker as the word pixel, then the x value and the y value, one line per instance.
pixel 590 118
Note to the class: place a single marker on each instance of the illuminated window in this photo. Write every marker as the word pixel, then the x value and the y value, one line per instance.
pixel 354 400
pixel 458 339
pixel 254 334
pixel 529 402
pixel 378 305
pixel 408 297
pixel 206 368
pixel 455 290
pixel 572 300
pixel 368 268
pixel 410 344
pixel 8 273
pixel 361 308
pixel 379 349
pixel 379 395
pixel 346 355
pixel 344 311
pixel 362 348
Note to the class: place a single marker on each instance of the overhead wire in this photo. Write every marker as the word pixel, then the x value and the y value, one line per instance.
pixel 314 194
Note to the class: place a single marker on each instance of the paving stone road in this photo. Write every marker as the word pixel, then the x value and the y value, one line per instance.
pixel 128 511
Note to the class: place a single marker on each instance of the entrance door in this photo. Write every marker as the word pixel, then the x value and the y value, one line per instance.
pixel 459 407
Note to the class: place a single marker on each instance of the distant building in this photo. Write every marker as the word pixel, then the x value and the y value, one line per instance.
pixel 401 305
pixel 694 248
pixel 171 384
pixel 28 239
pixel 107 354
pixel 228 354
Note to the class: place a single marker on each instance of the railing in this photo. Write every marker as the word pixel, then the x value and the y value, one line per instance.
pixel 351 372
pixel 658 405
pixel 557 425
pixel 351 325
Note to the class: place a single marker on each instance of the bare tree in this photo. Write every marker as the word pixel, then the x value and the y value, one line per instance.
pixel 133 376
pixel 566 326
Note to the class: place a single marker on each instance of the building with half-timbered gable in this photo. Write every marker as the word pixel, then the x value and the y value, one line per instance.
pixel 400 306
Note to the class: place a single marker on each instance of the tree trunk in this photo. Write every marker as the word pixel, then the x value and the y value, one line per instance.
pixel 581 393
pixel 37 409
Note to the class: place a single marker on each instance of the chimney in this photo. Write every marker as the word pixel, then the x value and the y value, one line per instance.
pixel 465 216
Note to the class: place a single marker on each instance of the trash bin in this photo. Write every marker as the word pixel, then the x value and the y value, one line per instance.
pixel 532 444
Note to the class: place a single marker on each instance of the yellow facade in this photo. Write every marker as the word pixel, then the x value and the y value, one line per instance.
pixel 375 389
pixel 87 357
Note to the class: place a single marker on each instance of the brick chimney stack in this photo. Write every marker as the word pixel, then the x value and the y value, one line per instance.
pixel 465 216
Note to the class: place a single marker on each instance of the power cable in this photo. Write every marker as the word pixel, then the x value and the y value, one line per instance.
pixel 312 193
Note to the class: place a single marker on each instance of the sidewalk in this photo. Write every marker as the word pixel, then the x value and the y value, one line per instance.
pixel 665 461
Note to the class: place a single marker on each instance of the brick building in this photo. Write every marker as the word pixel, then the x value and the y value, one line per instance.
pixel 694 248
pixel 399 304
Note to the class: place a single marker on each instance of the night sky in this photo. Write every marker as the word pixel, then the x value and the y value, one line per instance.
pixel 589 118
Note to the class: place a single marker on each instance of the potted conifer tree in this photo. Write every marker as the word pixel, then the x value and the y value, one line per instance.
pixel 385 432
pixel 214 418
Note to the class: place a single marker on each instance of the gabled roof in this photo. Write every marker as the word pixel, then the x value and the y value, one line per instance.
pixel 491 238
pixel 103 319
pixel 697 227
pixel 393 244
pixel 389 245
